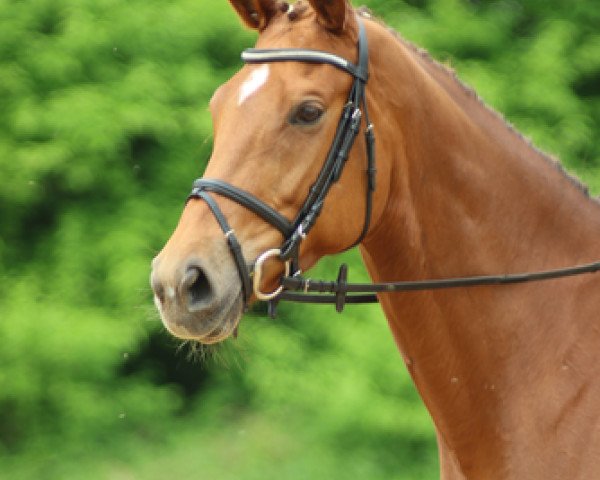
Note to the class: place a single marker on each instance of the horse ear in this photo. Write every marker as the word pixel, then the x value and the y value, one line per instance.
pixel 332 14
pixel 255 13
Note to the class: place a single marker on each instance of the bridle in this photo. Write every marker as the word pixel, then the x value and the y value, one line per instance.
pixel 295 231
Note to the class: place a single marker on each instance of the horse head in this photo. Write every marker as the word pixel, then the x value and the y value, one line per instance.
pixel 274 124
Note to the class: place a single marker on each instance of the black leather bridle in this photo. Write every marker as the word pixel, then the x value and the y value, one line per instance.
pixel 295 231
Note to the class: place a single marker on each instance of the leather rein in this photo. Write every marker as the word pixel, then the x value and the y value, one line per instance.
pixel 293 286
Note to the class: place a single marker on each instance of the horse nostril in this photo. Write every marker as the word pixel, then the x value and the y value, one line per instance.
pixel 195 286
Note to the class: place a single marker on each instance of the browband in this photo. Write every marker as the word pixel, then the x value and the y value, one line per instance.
pixel 258 55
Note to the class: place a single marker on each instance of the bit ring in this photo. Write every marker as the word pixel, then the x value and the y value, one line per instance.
pixel 274 252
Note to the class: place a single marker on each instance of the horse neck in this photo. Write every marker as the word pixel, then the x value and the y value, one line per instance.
pixel 468 196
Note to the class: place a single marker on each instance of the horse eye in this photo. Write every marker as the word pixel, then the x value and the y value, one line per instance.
pixel 307 113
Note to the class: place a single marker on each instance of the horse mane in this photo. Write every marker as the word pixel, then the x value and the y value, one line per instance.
pixel 449 72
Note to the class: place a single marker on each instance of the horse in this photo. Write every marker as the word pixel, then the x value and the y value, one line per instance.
pixel 508 374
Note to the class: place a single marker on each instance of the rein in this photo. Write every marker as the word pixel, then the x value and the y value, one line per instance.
pixel 336 292
pixel 293 286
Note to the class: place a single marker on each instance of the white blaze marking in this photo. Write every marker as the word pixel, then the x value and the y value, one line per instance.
pixel 256 80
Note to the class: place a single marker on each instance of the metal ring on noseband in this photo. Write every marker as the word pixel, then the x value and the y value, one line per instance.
pixel 274 252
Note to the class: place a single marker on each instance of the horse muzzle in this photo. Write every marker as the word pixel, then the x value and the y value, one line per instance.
pixel 199 301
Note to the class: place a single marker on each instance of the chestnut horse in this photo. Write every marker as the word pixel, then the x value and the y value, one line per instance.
pixel 509 374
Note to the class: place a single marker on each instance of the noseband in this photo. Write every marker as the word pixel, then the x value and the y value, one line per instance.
pixel 295 231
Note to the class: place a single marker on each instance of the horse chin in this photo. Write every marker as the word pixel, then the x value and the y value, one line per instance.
pixel 209 325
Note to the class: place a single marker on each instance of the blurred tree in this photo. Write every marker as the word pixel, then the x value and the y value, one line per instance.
pixel 102 103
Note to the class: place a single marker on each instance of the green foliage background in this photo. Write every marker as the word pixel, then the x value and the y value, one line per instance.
pixel 103 126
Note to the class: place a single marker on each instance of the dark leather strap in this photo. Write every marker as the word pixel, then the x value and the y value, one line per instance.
pixel 341 293
pixel 346 132
pixel 232 241
pixel 246 199
pixel 300 284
